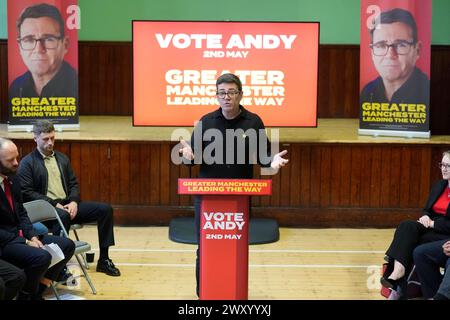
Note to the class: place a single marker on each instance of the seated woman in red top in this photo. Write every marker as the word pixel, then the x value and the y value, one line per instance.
pixel 432 226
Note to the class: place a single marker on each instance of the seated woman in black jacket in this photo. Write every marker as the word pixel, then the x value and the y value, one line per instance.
pixel 432 226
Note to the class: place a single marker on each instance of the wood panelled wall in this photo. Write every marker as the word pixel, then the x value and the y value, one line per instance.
pixel 326 185
pixel 106 88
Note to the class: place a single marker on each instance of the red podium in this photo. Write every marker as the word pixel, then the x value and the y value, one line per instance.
pixel 224 233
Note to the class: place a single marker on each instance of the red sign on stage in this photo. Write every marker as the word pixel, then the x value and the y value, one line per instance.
pixel 224 248
pixel 224 233
pixel 225 186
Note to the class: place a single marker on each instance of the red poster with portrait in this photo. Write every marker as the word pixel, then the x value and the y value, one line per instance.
pixel 395 67
pixel 43 62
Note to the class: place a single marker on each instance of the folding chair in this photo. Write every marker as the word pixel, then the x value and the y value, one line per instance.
pixel 74 228
pixel 41 210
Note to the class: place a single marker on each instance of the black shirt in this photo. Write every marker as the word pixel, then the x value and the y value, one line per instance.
pixel 415 90
pixel 230 154
pixel 63 84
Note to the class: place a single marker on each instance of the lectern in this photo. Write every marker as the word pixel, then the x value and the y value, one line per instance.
pixel 224 233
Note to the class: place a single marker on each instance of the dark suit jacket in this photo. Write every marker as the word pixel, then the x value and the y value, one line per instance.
pixel 13 221
pixel 441 222
pixel 34 178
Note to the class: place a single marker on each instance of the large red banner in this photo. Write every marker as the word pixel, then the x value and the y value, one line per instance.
pixel 176 64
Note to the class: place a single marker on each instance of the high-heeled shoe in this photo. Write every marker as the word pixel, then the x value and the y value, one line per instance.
pixel 389 283
pixel 389 268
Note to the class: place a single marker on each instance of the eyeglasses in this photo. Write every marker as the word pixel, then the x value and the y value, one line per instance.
pixel 231 94
pixel 401 47
pixel 443 166
pixel 29 43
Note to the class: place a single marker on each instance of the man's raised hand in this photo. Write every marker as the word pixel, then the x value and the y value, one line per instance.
pixel 278 161
pixel 186 150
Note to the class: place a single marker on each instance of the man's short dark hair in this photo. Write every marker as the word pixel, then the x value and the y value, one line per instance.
pixel 39 11
pixel 43 126
pixel 397 15
pixel 229 78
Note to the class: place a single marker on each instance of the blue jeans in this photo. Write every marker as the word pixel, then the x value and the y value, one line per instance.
pixel 40 229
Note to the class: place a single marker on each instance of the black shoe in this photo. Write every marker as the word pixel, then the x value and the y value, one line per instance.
pixel 66 278
pixel 37 298
pixel 439 296
pixel 389 283
pixel 29 297
pixel 25 296
pixel 108 267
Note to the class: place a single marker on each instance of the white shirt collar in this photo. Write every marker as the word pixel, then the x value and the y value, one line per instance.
pixel 2 182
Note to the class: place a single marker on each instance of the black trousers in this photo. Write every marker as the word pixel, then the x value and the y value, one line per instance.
pixel 89 211
pixel 408 235
pixel 429 258
pixel 12 280
pixel 35 261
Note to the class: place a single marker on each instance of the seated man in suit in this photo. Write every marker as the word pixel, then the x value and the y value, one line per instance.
pixel 12 280
pixel 429 258
pixel 18 243
pixel 47 174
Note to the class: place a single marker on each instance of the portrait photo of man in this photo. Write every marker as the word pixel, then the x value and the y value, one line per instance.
pixel 395 49
pixel 43 44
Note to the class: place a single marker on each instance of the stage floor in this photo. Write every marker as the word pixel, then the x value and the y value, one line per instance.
pixel 305 264
pixel 120 128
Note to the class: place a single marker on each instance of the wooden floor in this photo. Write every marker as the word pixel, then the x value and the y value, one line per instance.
pixel 306 264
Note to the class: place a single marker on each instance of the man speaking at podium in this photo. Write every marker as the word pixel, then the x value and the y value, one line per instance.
pixel 232 140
